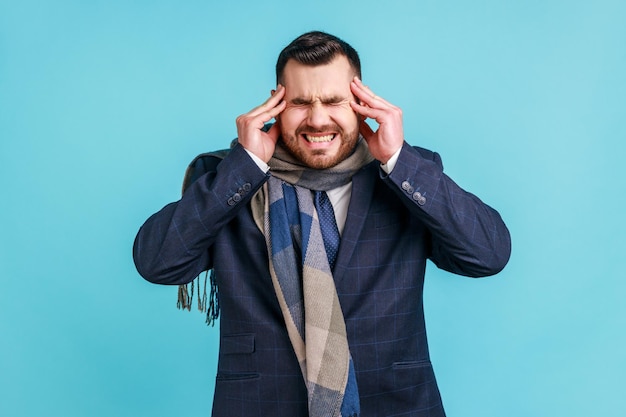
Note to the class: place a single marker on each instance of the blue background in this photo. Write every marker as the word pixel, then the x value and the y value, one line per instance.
pixel 103 104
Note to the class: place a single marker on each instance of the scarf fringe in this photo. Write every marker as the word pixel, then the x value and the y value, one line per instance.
pixel 186 293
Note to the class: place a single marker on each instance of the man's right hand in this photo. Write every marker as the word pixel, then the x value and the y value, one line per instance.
pixel 249 126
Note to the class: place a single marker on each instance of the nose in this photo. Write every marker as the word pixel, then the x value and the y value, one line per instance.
pixel 318 115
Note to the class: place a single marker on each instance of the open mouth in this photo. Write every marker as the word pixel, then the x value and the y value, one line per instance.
pixel 319 138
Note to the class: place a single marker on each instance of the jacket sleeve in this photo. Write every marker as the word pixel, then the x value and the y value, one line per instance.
pixel 173 245
pixel 467 236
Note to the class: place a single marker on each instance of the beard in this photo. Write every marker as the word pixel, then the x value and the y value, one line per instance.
pixel 320 158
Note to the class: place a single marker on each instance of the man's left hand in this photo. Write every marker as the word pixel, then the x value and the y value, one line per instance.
pixel 389 137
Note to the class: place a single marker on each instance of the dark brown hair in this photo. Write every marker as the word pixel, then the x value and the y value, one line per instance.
pixel 316 48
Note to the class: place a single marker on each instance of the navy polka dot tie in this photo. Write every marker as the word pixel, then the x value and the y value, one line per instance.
pixel 328 224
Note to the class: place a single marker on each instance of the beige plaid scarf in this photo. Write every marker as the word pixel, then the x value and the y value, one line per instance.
pixel 302 278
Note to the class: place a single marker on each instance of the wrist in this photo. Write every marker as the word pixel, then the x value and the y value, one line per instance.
pixel 390 164
pixel 260 162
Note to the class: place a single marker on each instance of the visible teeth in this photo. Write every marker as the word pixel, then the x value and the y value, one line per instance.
pixel 317 139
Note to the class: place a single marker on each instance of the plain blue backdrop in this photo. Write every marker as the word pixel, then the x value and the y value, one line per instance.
pixel 103 104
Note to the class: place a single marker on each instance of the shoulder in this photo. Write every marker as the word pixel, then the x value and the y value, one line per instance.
pixel 202 164
pixel 420 153
pixel 425 153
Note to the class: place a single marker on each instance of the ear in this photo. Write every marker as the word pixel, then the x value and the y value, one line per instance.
pixel 272 92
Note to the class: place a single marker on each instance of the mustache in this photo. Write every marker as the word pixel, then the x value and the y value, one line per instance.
pixel 322 129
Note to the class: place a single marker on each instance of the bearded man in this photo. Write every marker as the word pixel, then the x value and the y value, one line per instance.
pixel 317 229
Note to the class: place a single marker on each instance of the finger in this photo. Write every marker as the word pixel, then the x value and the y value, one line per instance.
pixel 246 121
pixel 274 132
pixel 367 95
pixel 364 87
pixel 270 103
pixel 276 110
pixel 259 121
pixel 359 91
pixel 367 111
pixel 275 98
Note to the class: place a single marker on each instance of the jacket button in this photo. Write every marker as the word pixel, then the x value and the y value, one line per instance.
pixel 231 202
pixel 417 196
pixel 237 197
pixel 406 185
pixel 247 187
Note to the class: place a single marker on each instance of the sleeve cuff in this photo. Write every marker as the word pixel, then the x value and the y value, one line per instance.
pixel 260 163
pixel 391 163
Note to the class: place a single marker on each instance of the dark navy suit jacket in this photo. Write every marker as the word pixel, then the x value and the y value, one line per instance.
pixel 395 223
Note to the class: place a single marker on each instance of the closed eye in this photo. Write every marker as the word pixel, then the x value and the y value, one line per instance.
pixel 300 102
pixel 327 101
pixel 335 101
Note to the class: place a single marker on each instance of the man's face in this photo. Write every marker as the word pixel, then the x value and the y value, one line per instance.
pixel 318 125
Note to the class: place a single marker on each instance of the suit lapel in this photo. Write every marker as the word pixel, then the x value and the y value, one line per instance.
pixel 362 191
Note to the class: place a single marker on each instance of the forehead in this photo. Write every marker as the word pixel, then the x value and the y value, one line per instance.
pixel 306 81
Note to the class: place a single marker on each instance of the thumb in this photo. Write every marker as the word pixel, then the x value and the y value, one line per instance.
pixel 366 130
pixel 274 132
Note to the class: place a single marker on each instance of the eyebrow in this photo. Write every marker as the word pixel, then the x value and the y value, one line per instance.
pixel 324 100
